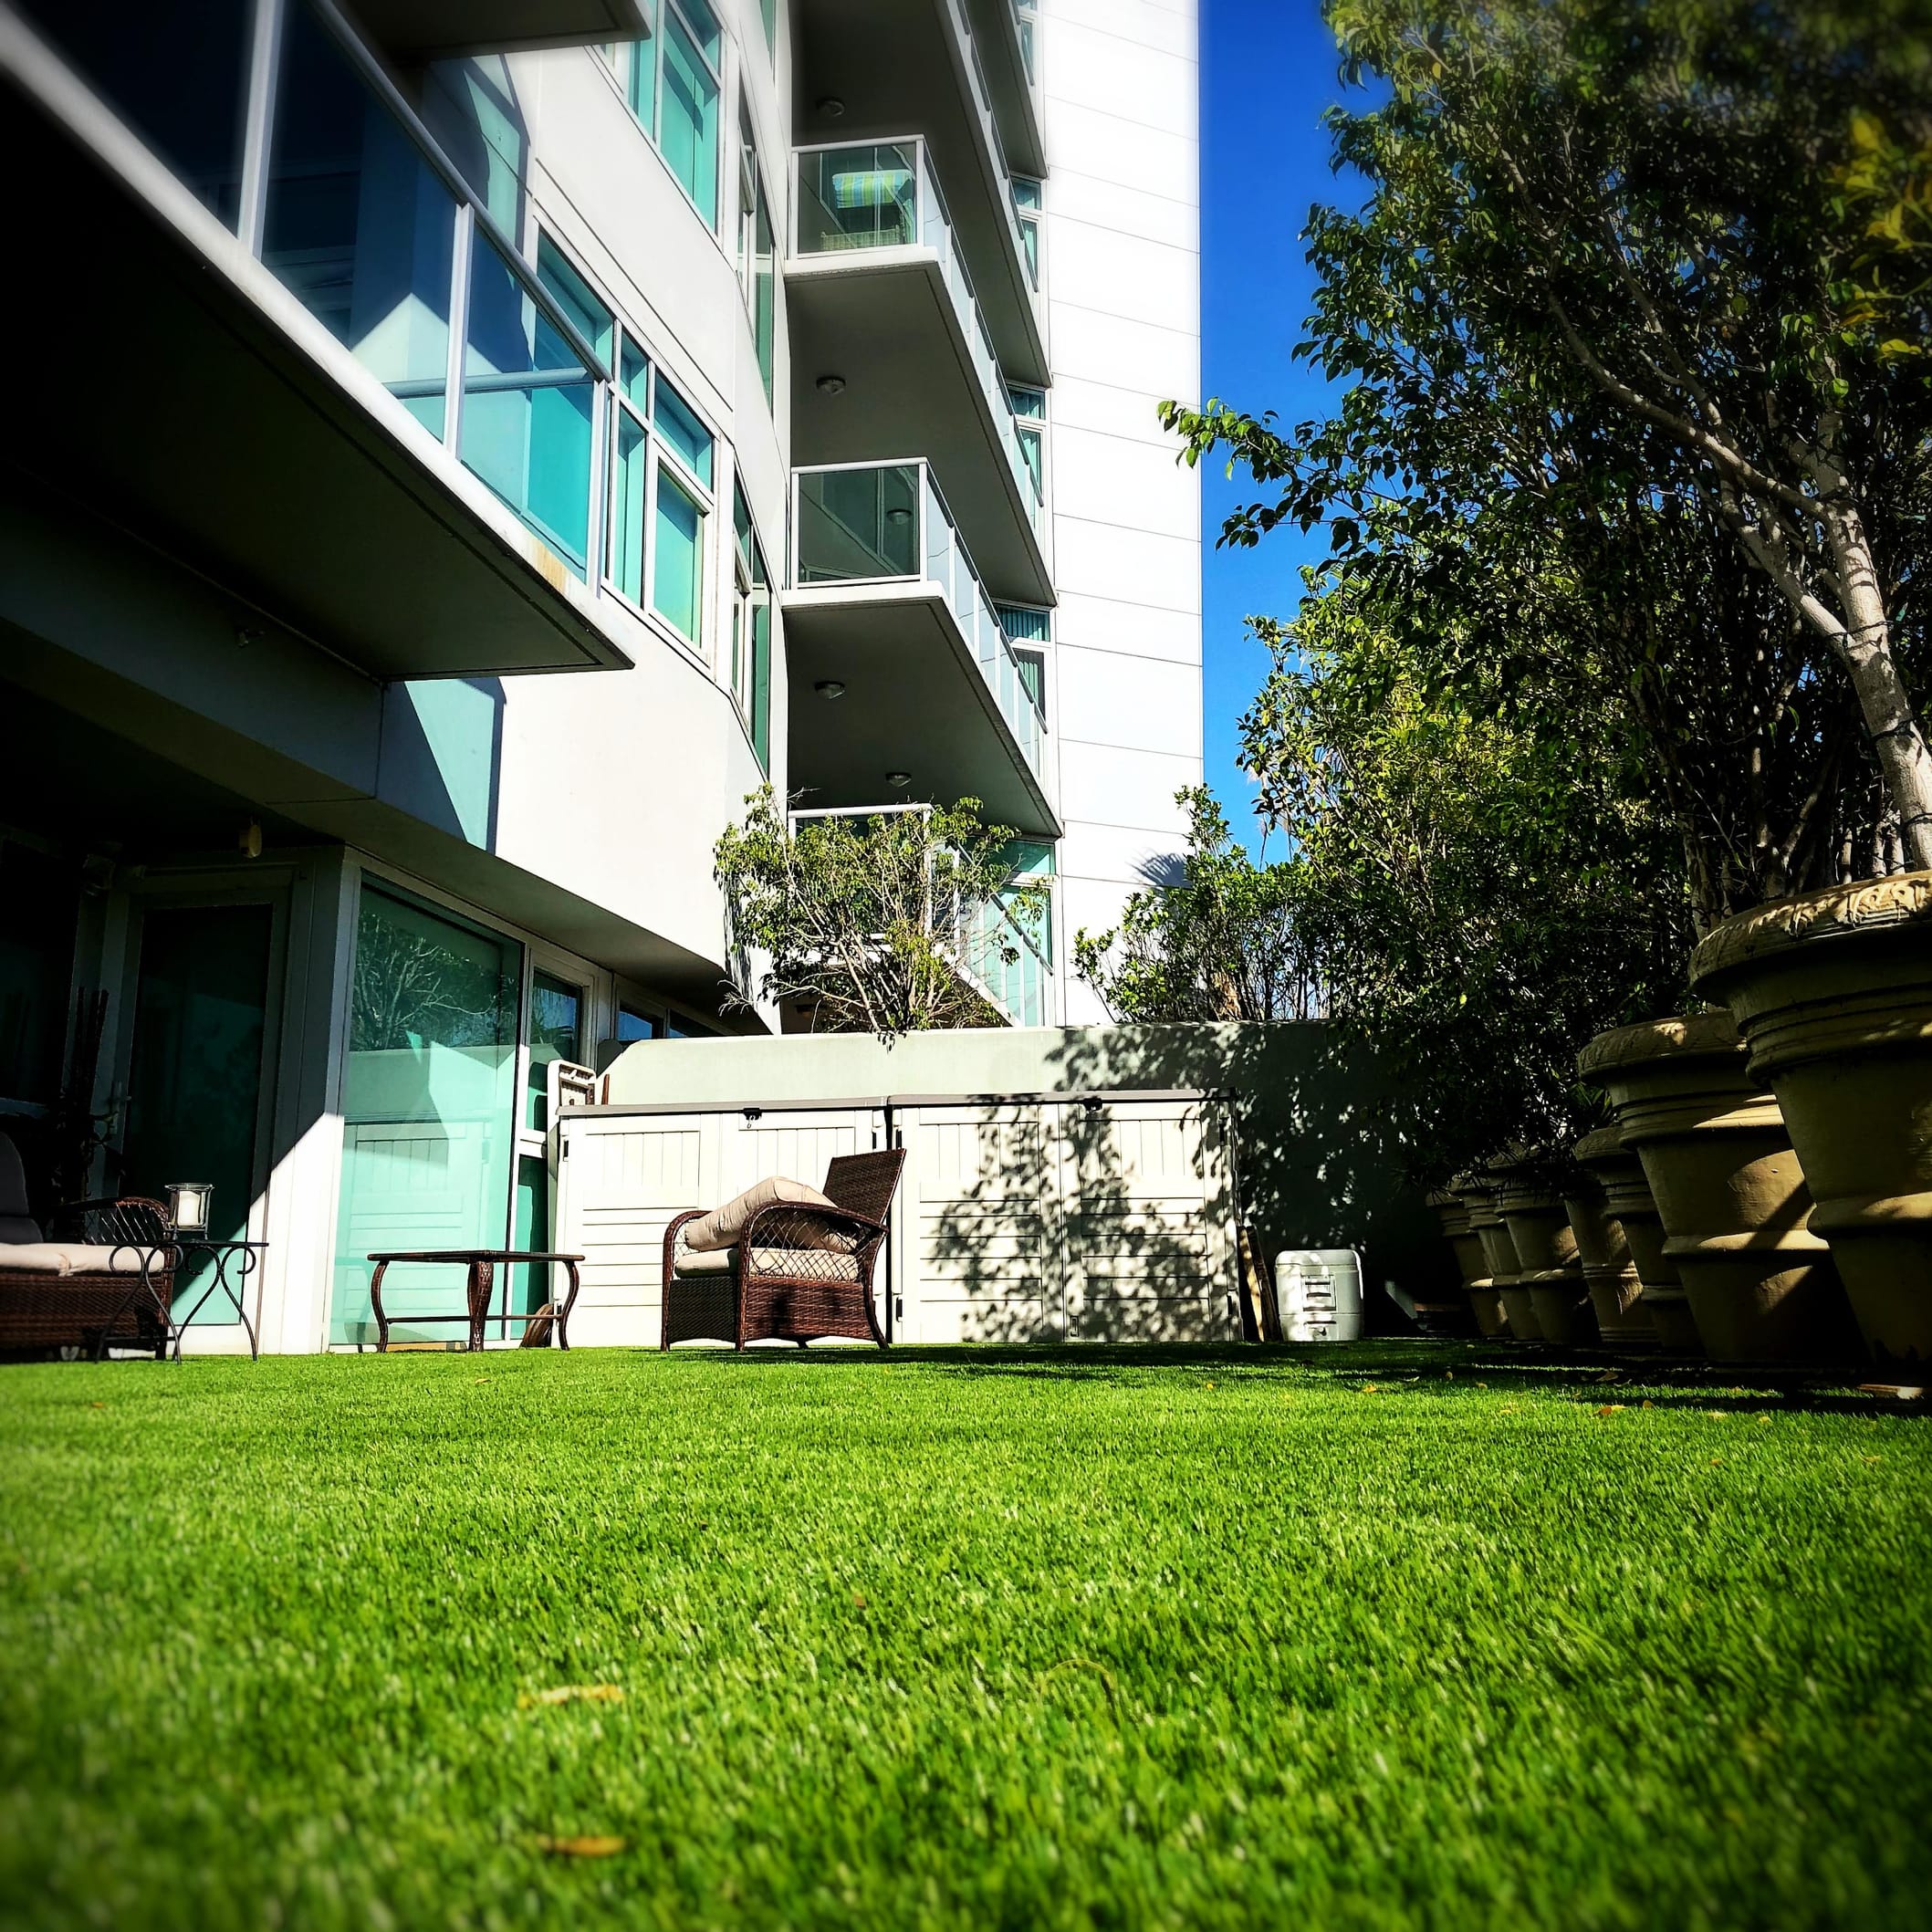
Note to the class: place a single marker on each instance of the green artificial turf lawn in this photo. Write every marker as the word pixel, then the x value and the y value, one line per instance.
pixel 1313 1638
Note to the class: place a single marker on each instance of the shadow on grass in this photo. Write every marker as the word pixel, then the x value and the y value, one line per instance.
pixel 1665 1385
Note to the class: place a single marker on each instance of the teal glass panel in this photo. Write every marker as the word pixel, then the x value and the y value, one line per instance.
pixel 530 1280
pixel 1025 624
pixel 556 1033
pixel 356 223
pixel 526 406
pixel 630 492
pixel 678 424
pixel 858 524
pixel 641 88
pixel 178 79
pixel 194 1080
pixel 581 305
pixel 1032 669
pixel 761 682
pixel 860 197
pixel 688 121
pixel 704 25
pixel 634 376
pixel 769 14
pixel 676 570
pixel 428 1105
pixel 42 898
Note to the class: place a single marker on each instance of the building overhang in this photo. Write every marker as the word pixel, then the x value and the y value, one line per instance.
pixel 1015 107
pixel 894 65
pixel 199 405
pixel 882 321
pixel 417 30
pixel 914 702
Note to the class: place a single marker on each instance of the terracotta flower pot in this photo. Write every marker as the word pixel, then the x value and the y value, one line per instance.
pixel 1728 1188
pixel 1610 1273
pixel 1545 1253
pixel 1498 1259
pixel 1627 1200
pixel 1833 993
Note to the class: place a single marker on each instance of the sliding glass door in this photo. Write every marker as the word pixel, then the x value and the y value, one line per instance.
pixel 429 1105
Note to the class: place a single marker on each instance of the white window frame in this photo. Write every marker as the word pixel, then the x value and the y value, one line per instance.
pixel 618 58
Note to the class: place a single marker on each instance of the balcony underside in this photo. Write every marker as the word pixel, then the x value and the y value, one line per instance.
pixel 914 702
pixel 409 30
pixel 180 407
pixel 882 320
pixel 1005 66
pixel 894 66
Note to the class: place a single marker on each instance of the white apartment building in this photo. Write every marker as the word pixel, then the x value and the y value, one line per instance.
pixel 510 433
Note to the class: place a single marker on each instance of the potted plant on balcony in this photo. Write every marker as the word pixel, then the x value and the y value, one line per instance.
pixel 886 922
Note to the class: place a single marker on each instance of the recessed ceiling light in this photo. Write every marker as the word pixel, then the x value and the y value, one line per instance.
pixel 899 514
pixel 898 780
pixel 829 687
pixel 832 385
pixel 831 107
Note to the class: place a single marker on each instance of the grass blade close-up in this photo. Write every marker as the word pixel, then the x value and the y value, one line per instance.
pixel 1393 1634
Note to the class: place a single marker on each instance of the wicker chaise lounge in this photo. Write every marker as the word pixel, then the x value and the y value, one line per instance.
pixel 798 1272
pixel 111 1285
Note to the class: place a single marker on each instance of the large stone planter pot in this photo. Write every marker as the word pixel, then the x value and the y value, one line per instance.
pixel 1833 993
pixel 1454 1218
pixel 1727 1188
pixel 1546 1254
pixel 1519 1305
pixel 1498 1257
pixel 1608 1272
pixel 1627 1200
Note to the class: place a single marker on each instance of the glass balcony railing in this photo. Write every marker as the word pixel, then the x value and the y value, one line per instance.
pixel 885 194
pixel 886 522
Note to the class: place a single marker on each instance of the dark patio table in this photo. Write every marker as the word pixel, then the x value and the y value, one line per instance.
pixel 245 1258
pixel 481 1263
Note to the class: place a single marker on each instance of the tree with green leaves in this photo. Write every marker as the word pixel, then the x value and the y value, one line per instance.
pixel 1633 325
pixel 885 921
pixel 1223 941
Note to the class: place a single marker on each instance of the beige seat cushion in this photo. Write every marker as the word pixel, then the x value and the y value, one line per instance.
pixel 76 1258
pixel 722 1225
pixel 810 1264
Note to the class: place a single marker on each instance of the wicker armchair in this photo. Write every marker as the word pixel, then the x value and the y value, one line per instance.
pixel 798 1273
pixel 106 1278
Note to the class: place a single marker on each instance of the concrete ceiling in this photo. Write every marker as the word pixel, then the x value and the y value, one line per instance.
pixel 431 29
pixel 185 412
pixel 914 702
pixel 894 67
pixel 882 321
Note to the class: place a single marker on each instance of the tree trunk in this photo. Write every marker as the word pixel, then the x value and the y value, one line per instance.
pixel 1865 647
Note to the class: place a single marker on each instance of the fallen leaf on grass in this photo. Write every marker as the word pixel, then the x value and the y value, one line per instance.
pixel 858 1600
pixel 1715 1460
pixel 1874 1459
pixel 1611 1376
pixel 593 1847
pixel 1611 1408
pixel 97 1405
pixel 1509 1408
pixel 571 1694
pixel 1371 1388
pixel 1646 1403
pixel 483 1378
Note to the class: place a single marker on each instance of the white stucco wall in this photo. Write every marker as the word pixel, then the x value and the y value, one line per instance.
pixel 1120 85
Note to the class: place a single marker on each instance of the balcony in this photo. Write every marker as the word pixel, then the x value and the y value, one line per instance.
pixel 1003 955
pixel 900 672
pixel 869 68
pixel 336 390
pixel 1004 31
pixel 890 346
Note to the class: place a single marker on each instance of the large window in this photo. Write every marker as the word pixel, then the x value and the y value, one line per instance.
pixel 675 82
pixel 751 631
pixel 1026 195
pixel 661 463
pixel 756 269
pixel 1029 412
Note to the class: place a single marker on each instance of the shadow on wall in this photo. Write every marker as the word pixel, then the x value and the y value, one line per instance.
pixel 1299 1144
pixel 442 757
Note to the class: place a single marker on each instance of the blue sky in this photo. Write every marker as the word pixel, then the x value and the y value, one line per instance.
pixel 1269 71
